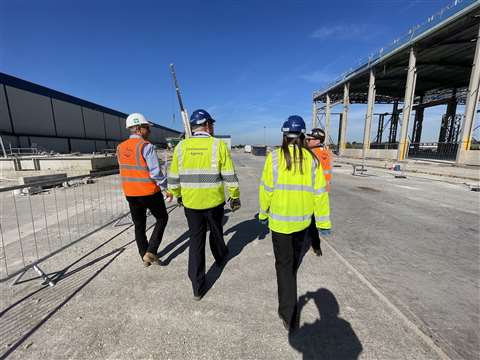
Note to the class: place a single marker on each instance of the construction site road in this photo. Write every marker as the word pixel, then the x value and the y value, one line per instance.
pixel 400 269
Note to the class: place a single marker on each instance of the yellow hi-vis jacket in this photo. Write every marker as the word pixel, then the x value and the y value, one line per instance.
pixel 200 167
pixel 288 198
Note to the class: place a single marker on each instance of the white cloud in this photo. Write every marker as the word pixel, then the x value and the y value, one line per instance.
pixel 318 77
pixel 343 32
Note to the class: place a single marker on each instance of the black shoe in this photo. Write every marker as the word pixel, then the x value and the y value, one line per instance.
pixel 317 252
pixel 197 297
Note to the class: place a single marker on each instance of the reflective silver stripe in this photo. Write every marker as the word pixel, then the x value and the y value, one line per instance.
pixel 275 167
pixel 290 218
pixel 327 171
pixel 214 153
pixel 201 185
pixel 231 184
pixel 137 152
pixel 173 186
pixel 291 187
pixel 321 190
pixel 133 167
pixel 230 178
pixel 179 156
pixel 173 180
pixel 267 188
pixel 198 171
pixel 322 218
pixel 227 172
pixel 200 178
pixel 142 180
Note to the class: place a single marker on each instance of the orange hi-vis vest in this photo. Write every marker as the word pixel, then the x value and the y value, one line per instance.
pixel 134 171
pixel 325 158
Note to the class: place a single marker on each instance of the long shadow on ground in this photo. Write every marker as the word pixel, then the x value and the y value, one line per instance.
pixel 244 233
pixel 329 337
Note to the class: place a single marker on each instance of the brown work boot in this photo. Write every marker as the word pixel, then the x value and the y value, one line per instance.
pixel 152 259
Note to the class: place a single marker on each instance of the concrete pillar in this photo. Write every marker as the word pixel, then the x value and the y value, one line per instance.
pixel 470 106
pixel 328 115
pixel 343 127
pixel 369 114
pixel 407 105
pixel 314 114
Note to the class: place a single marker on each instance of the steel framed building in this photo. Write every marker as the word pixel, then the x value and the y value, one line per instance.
pixel 435 63
pixel 33 115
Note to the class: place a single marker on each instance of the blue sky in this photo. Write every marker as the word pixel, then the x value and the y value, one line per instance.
pixel 250 63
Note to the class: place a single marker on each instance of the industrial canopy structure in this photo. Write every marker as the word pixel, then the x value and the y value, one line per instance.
pixel 436 63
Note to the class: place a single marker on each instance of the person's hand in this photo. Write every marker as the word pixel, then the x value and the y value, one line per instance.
pixel 234 204
pixel 324 232
pixel 179 201
pixel 168 196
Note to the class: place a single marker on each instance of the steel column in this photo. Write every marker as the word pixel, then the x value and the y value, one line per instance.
pixel 392 136
pixel 470 106
pixel 314 114
pixel 407 104
pixel 328 112
pixel 343 127
pixel 369 114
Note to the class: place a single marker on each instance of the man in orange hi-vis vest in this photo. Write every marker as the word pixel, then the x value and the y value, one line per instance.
pixel 316 143
pixel 142 183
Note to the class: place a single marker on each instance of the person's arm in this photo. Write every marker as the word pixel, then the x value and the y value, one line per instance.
pixel 227 171
pixel 321 201
pixel 173 176
pixel 265 190
pixel 153 165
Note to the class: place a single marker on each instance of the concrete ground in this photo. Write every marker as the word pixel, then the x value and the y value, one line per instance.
pixel 401 266
pixel 431 169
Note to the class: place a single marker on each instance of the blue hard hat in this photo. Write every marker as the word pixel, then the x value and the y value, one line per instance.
pixel 200 117
pixel 294 125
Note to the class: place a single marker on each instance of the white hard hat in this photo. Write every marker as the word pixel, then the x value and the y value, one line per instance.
pixel 136 119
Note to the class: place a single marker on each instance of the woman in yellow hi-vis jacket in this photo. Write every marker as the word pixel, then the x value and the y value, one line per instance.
pixel 292 189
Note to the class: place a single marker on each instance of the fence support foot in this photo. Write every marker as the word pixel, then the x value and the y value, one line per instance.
pixel 46 279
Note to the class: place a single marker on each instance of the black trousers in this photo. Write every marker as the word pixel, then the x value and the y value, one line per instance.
pixel 197 223
pixel 138 209
pixel 288 250
pixel 313 234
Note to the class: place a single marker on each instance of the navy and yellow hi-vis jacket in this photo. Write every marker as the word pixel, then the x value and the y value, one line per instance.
pixel 200 167
pixel 289 198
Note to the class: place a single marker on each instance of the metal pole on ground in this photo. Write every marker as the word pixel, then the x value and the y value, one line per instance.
pixel 407 104
pixel 470 106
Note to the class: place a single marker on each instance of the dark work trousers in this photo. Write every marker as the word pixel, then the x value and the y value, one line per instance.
pixel 288 250
pixel 197 223
pixel 138 209
pixel 313 234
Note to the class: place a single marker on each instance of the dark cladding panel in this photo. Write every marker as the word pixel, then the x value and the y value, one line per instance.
pixel 4 117
pixel 50 144
pixel 100 145
pixel 94 124
pixel 83 146
pixel 68 118
pixel 9 141
pixel 156 135
pixel 112 127
pixel 31 113
pixel 124 131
